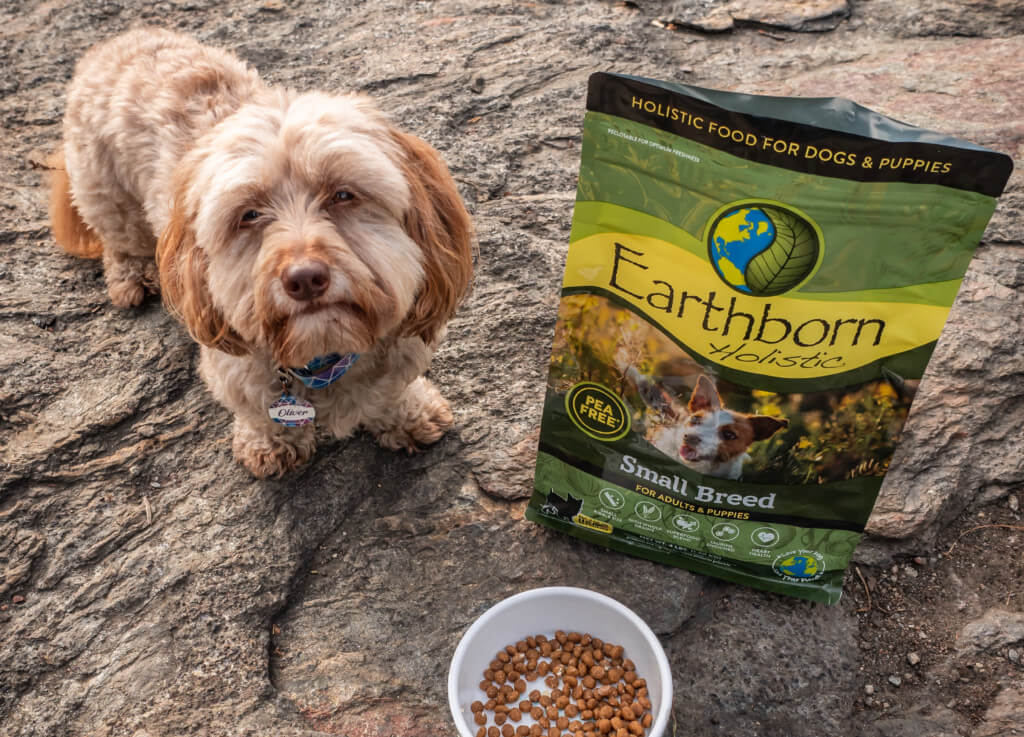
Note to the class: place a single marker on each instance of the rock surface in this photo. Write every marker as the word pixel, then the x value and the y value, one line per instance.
pixel 149 586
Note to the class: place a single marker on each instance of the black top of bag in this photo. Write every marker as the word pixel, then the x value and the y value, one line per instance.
pixel 895 151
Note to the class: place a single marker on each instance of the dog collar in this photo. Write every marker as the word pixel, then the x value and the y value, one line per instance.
pixel 323 371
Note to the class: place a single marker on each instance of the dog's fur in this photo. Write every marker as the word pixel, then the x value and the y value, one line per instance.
pixel 178 156
pixel 703 434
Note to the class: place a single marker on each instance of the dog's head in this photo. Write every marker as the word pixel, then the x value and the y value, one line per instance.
pixel 713 434
pixel 306 224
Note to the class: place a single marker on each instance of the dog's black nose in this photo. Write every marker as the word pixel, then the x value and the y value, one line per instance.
pixel 307 280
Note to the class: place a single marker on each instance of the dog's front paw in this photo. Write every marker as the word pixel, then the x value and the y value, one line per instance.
pixel 272 454
pixel 421 418
pixel 130 279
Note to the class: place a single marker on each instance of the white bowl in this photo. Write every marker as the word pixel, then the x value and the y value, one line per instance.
pixel 543 611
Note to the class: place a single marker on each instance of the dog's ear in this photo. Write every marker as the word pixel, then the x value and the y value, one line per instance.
pixel 765 426
pixel 183 284
pixel 705 396
pixel 438 222
pixel 653 394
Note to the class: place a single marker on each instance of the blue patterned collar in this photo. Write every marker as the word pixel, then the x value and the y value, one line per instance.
pixel 323 371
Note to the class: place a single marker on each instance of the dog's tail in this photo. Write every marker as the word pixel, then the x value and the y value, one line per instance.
pixel 69 230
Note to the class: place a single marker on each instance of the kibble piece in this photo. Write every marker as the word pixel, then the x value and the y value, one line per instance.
pixel 480 718
pixel 554 732
pixel 562 722
pixel 536 712
pixel 627 713
pixel 604 726
pixel 536 730
pixel 572 710
pixel 515 715
pixel 552 712
pixel 595 670
pixel 500 717
pixel 507 731
pixel 636 727
pixel 482 732
pixel 647 719
pixel 493 732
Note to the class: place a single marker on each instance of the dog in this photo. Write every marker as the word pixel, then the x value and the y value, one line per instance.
pixel 704 435
pixel 313 250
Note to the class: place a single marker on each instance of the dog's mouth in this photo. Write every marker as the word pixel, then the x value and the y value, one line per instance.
pixel 691 454
pixel 343 306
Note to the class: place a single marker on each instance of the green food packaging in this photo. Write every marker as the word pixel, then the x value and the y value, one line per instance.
pixel 752 291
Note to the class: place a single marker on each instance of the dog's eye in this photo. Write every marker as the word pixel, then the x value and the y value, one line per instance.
pixel 695 419
pixel 342 195
pixel 250 216
pixel 728 434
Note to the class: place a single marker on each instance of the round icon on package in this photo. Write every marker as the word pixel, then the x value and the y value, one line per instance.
pixel 725 531
pixel 765 537
pixel 685 523
pixel 647 511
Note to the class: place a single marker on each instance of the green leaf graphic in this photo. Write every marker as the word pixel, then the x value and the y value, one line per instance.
pixel 788 260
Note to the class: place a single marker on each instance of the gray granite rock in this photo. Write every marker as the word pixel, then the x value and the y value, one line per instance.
pixel 150 587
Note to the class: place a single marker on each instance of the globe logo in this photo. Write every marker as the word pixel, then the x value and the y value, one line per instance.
pixel 763 249
pixel 800 565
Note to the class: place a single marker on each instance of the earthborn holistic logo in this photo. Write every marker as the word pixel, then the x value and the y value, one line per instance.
pixel 597 411
pixel 800 566
pixel 763 248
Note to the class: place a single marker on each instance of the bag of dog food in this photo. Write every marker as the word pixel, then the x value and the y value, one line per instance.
pixel 753 289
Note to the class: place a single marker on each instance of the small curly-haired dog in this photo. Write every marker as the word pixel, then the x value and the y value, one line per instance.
pixel 314 251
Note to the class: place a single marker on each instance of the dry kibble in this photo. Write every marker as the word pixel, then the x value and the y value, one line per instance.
pixel 592 690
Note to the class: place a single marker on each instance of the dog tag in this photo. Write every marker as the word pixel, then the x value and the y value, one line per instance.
pixel 291 411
